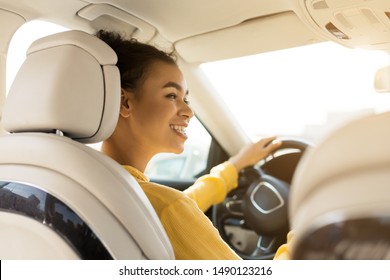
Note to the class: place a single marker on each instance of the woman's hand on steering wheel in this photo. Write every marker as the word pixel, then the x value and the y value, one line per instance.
pixel 259 204
pixel 255 152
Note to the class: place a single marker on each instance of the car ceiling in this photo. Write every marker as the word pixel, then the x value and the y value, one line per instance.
pixel 204 30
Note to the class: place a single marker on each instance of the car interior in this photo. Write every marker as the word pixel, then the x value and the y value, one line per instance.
pixel 54 200
pixel 36 160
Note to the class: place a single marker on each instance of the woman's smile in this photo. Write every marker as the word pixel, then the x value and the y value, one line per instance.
pixel 179 129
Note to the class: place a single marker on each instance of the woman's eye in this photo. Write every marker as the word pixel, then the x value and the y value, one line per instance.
pixel 172 96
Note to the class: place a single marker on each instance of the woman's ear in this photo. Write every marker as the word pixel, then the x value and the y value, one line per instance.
pixel 125 104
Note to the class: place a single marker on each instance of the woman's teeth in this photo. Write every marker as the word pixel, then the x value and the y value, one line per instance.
pixel 179 128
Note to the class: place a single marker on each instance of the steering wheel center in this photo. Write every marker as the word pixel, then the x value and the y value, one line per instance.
pixel 265 206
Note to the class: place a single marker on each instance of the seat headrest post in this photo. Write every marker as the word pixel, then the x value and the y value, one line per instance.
pixel 59 132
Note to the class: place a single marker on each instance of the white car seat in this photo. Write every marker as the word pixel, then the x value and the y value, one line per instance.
pixel 340 196
pixel 60 199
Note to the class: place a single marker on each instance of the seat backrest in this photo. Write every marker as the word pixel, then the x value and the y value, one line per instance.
pixel 340 194
pixel 59 198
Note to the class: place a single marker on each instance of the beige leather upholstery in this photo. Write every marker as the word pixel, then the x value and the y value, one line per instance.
pixel 69 83
pixel 346 177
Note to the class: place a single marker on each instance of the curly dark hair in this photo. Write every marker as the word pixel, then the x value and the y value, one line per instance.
pixel 134 57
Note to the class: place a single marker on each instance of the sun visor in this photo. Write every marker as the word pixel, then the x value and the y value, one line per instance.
pixel 262 34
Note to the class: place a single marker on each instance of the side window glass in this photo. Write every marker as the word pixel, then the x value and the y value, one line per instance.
pixel 187 165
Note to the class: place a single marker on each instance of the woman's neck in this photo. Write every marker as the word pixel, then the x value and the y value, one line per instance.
pixel 134 154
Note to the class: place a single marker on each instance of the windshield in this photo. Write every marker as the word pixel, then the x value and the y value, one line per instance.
pixel 300 92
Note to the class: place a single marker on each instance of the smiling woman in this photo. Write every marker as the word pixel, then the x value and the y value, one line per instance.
pixel 153 115
pixel 192 162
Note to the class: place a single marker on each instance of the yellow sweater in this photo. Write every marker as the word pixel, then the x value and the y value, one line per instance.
pixel 192 235
pixel 284 251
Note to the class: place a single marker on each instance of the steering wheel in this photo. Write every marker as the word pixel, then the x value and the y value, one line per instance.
pixel 253 218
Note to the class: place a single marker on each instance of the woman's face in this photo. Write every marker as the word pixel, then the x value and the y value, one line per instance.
pixel 160 113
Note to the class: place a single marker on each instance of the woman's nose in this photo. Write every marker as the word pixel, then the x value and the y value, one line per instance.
pixel 186 111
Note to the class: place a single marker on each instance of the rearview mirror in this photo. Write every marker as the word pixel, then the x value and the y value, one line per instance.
pixel 382 80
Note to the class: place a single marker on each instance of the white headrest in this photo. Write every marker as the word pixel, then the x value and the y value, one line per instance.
pixel 68 82
pixel 345 177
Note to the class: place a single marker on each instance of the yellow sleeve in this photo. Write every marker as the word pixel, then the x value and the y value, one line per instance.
pixel 283 252
pixel 197 240
pixel 212 188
